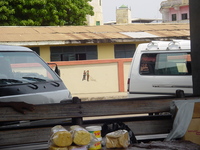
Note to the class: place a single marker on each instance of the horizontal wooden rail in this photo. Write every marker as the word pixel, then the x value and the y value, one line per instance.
pixel 79 110
pixel 46 111
pixel 88 108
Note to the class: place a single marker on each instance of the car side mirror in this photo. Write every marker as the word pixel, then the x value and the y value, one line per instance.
pixel 57 70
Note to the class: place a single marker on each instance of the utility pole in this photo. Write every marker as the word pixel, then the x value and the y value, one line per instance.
pixel 194 6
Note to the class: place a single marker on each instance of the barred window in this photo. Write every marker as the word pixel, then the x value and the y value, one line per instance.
pixel 124 50
pixel 184 16
pixel 73 53
pixel 173 17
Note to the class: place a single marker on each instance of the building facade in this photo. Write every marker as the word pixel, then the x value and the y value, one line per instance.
pixel 75 43
pixel 123 15
pixel 175 11
pixel 97 19
pixel 103 52
pixel 112 42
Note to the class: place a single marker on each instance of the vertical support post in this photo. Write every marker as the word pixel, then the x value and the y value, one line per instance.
pixel 180 94
pixel 194 6
pixel 78 120
pixel 121 75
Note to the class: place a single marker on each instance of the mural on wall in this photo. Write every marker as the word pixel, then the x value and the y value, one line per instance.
pixel 86 76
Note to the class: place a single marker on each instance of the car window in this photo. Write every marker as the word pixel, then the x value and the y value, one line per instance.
pixel 165 64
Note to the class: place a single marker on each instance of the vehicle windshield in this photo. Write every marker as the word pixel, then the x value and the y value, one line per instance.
pixel 24 67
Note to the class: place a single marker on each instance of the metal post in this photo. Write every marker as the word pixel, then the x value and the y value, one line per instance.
pixel 194 6
pixel 78 120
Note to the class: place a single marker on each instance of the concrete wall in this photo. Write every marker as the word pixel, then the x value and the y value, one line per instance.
pixel 104 75
pixel 45 53
pixel 123 15
pixel 179 11
pixel 106 51
pixel 98 13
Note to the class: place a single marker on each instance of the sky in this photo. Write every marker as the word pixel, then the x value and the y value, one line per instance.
pixel 139 8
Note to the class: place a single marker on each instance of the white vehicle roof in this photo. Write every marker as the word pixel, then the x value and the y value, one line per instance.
pixel 13 48
pixel 165 45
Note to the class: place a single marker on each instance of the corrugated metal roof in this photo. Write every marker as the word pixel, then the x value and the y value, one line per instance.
pixel 95 34
pixel 139 34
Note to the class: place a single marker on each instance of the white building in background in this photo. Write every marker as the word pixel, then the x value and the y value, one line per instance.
pixel 123 15
pixel 97 19
pixel 175 11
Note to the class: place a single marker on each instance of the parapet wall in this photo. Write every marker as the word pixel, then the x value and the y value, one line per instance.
pixel 95 76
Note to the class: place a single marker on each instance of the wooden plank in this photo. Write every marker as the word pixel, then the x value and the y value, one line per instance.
pixel 140 126
pixel 34 135
pixel 124 106
pixel 161 145
pixel 23 136
pixel 196 112
pixel 149 125
pixel 89 108
pixel 128 106
pixel 45 111
pixel 146 127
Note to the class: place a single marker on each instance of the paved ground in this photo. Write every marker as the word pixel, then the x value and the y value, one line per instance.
pixel 100 96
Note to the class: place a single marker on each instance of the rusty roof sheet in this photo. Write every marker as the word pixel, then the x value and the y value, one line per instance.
pixel 78 33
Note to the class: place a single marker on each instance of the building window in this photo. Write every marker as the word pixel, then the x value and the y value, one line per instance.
pixel 72 53
pixel 35 49
pixel 184 16
pixel 173 17
pixel 97 23
pixel 124 50
pixel 165 64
